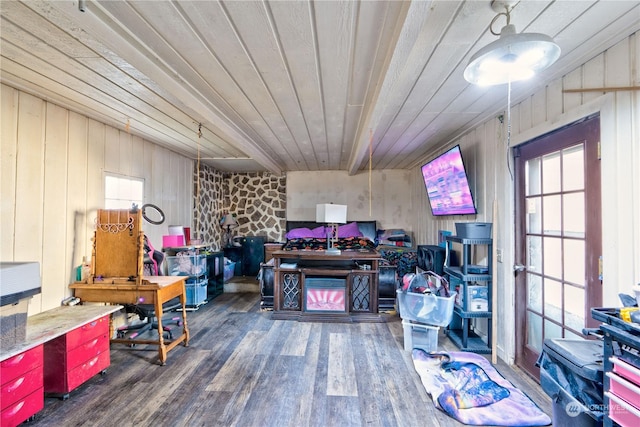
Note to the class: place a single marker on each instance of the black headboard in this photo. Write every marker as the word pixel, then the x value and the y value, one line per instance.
pixel 367 228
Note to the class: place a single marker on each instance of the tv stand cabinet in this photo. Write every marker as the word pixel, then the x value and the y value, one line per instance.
pixel 315 286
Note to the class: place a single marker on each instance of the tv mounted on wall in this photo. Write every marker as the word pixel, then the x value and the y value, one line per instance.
pixel 445 179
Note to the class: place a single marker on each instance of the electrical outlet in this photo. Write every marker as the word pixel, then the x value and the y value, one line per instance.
pixel 499 255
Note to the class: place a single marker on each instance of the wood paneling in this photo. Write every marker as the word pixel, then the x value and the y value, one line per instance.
pixel 53 164
pixel 488 161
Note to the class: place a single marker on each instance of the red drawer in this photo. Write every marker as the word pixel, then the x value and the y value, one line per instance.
pixel 84 372
pixel 22 410
pixel 87 332
pixel 87 351
pixel 63 380
pixel 19 364
pixel 18 388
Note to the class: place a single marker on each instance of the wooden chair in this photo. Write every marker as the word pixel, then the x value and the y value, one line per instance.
pixel 118 247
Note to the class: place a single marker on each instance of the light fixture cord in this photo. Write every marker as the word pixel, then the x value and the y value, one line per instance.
pixel 197 231
pixel 509 127
pixel 495 18
pixel 370 158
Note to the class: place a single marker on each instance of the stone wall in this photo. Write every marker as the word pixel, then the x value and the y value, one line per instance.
pixel 257 200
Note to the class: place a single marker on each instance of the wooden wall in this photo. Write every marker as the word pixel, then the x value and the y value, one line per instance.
pixel 52 182
pixel 485 153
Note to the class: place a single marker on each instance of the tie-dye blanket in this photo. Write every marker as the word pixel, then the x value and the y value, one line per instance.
pixel 469 389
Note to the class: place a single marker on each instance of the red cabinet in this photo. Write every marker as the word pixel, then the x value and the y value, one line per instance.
pixel 22 386
pixel 75 357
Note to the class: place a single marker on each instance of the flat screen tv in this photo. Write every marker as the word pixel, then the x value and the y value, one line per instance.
pixel 445 179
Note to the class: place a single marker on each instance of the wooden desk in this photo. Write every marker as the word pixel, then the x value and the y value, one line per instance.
pixel 154 290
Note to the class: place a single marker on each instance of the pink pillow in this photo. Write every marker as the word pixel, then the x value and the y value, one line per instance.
pixel 299 233
pixel 349 230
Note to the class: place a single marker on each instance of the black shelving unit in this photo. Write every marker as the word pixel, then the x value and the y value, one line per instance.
pixel 215 265
pixel 459 331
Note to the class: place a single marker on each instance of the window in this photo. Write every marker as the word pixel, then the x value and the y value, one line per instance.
pixel 121 192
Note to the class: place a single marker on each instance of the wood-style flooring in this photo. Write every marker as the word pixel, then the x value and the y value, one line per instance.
pixel 242 368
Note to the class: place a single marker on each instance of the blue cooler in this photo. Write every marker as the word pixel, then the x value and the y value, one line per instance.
pixel 571 374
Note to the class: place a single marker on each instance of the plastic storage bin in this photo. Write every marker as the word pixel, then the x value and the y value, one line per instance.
pixel 473 230
pixel 420 336
pixel 229 270
pixel 426 308
pixel 187 265
pixel 196 291
pixel 571 374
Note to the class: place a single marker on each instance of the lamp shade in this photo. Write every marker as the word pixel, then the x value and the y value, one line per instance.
pixel 511 58
pixel 228 221
pixel 332 214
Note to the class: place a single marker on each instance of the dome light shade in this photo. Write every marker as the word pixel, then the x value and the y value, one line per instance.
pixel 511 58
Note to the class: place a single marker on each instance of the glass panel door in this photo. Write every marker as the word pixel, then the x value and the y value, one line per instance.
pixel 558 223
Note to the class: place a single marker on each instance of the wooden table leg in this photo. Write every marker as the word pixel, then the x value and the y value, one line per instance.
pixel 185 328
pixel 162 349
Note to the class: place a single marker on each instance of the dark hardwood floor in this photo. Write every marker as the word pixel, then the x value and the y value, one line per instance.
pixel 242 368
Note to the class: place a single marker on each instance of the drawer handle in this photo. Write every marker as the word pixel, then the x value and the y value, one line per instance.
pixel 16 359
pixel 622 403
pixel 16 384
pixel 15 409
pixel 92 362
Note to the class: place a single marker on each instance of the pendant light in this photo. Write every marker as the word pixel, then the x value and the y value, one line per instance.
pixel 513 56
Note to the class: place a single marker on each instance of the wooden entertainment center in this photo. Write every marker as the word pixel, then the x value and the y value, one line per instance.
pixel 316 286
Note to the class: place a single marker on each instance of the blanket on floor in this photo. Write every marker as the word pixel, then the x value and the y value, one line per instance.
pixel 468 388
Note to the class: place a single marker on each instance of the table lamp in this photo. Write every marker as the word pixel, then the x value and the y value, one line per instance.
pixel 332 215
pixel 228 222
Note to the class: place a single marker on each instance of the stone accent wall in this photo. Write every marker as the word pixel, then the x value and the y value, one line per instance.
pixel 257 200
pixel 208 206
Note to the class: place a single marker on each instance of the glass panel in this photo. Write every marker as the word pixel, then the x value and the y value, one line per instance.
pixel 534 332
pixel 574 269
pixel 552 219
pixel 574 307
pixel 552 257
pixel 551 173
pixel 532 177
pixel 551 330
pixel 534 253
pixel 573 212
pixel 553 300
pixel 573 168
pixel 534 292
pixel 570 335
pixel 534 223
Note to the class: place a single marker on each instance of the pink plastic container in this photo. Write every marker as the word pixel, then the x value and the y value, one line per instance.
pixel 172 241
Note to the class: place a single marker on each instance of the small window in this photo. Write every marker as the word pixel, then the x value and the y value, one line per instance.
pixel 121 192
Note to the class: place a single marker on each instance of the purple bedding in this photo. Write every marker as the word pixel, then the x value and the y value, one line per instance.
pixel 361 244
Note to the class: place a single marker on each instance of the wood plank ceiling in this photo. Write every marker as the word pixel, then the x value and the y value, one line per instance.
pixel 287 85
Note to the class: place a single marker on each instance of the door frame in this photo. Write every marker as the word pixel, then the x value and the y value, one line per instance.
pixel 522 355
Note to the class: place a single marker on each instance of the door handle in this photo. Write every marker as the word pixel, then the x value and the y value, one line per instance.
pixel 519 267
